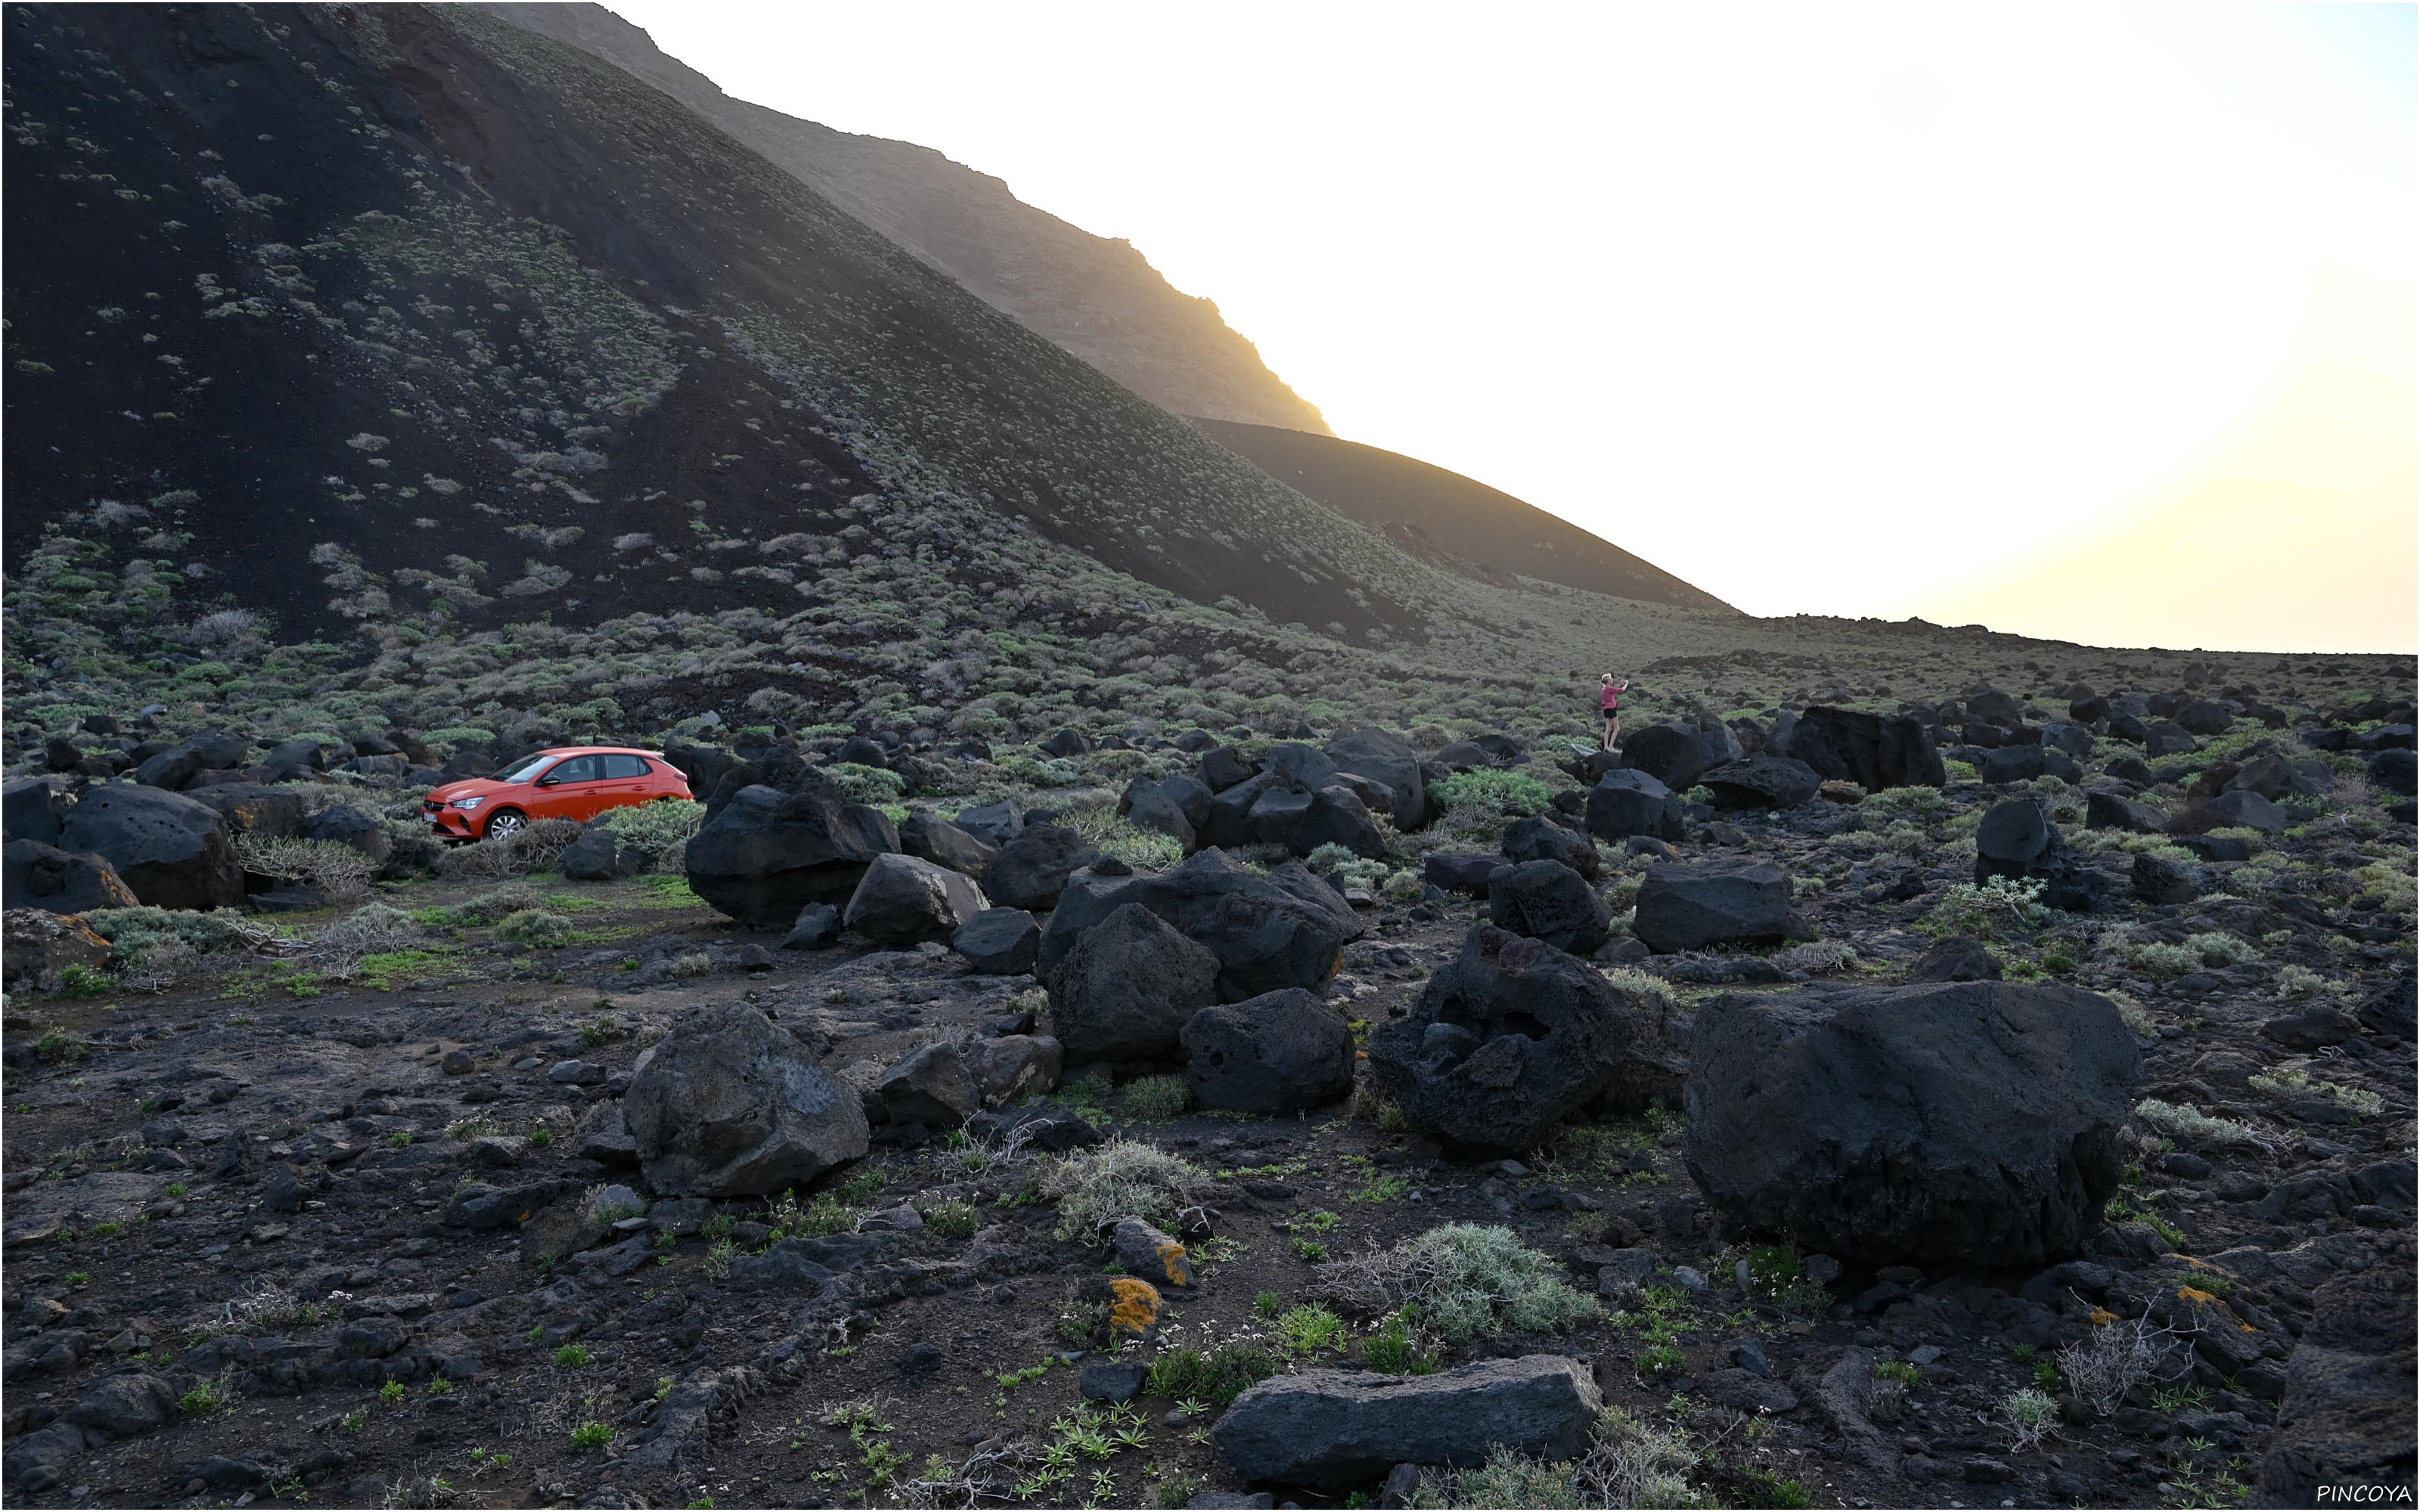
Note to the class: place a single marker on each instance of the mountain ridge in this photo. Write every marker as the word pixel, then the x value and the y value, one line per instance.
pixel 1452 519
pixel 1097 296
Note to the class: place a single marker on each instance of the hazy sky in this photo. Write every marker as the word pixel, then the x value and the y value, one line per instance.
pixel 2091 323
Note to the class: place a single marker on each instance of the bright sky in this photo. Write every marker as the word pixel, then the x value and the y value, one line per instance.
pixel 2048 316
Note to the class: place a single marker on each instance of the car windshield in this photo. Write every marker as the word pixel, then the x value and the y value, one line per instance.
pixel 521 771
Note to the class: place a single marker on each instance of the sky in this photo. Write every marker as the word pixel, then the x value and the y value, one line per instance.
pixel 2091 323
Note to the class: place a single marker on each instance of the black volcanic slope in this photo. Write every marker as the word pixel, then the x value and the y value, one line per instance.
pixel 445 316
pixel 1095 296
pixel 1454 521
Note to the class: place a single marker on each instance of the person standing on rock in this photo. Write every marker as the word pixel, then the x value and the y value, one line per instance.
pixel 1608 703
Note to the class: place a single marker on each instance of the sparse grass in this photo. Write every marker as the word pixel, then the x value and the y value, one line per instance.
pixel 1631 1464
pixel 1157 1099
pixel 2289 1082
pixel 1311 1330
pixel 534 926
pixel 1218 1375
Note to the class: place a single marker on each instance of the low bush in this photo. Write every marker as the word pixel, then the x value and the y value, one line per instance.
pixel 1463 1281
pixel 1494 792
pixel 1997 908
pixel 335 870
pixel 534 926
pixel 658 831
pixel 1121 1179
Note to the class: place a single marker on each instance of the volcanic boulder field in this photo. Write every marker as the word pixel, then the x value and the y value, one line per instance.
pixel 1779 1114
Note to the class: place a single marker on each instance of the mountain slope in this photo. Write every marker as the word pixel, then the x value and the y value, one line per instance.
pixel 1096 297
pixel 465 320
pixel 1456 522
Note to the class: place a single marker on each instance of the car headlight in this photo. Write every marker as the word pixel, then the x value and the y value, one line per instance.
pixel 469 803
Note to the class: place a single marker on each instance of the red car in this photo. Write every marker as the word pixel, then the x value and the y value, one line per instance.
pixel 576 782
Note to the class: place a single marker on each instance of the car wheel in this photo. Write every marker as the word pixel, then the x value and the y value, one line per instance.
pixel 506 822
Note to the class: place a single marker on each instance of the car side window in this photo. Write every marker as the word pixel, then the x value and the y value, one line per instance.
pixel 577 769
pixel 616 766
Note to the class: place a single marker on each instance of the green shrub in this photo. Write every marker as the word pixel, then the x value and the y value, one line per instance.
pixel 1121 1179
pixel 1503 793
pixel 1157 1097
pixel 2219 948
pixel 2163 963
pixel 657 830
pixel 1308 1330
pixel 1998 908
pixel 2187 1122
pixel 865 784
pixel 1396 1349
pixel 1217 1376
pixel 534 926
pixel 1465 1281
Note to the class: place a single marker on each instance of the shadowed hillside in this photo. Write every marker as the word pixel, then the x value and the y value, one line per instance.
pixel 1093 295
pixel 1456 522
pixel 419 297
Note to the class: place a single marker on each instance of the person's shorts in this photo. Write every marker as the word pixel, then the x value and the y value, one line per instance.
pixel 1607 713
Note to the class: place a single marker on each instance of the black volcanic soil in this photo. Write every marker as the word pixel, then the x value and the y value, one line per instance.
pixel 147 1137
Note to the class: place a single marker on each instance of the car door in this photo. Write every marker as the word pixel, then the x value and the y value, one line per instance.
pixel 626 780
pixel 568 790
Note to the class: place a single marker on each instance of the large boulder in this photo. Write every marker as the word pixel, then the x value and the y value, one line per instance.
pixel 1032 868
pixel 1683 907
pixel 35 876
pixel 2159 880
pixel 593 858
pixel 347 826
pixel 2115 810
pixel 1514 1037
pixel 902 901
pixel 37 946
pixel 732 1105
pixel 1539 839
pixel 1273 1055
pixel 1671 753
pixel 1294 805
pixel 1372 753
pixel 1761 782
pixel 2346 1420
pixel 1287 929
pixel 1969 1124
pixel 1874 750
pixel 930 838
pixel 1464 875
pixel 2231 811
pixel 253 807
pixel 994 823
pixel 31 811
pixel 1339 1428
pixel 2395 770
pixel 1124 993
pixel 999 942
pixel 767 854
pixel 1548 901
pixel 1624 803
pixel 930 1087
pixel 1009 1067
pixel 1224 766
pixel 2017 840
pixel 1176 806
pixel 173 852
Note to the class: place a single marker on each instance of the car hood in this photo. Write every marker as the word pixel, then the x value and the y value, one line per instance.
pixel 484 787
